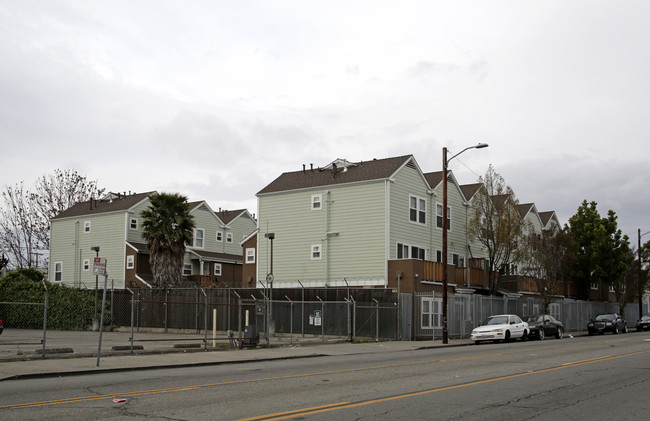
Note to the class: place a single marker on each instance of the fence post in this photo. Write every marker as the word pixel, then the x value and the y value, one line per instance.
pixel 132 320
pixel 290 318
pixel 45 304
pixel 377 323
pixel 101 320
pixel 165 304
pixel 205 320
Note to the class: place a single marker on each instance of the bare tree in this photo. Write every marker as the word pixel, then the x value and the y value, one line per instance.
pixel 18 228
pixel 543 257
pixel 54 193
pixel 496 223
pixel 25 218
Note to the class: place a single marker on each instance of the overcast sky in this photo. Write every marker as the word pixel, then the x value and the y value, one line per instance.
pixel 215 99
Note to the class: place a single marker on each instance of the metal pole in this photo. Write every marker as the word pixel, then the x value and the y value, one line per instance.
pixel 45 304
pixel 445 338
pixel 205 321
pixel 101 320
pixel 377 322
pixel 132 319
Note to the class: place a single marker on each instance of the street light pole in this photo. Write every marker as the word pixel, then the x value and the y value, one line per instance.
pixel 445 164
pixel 640 285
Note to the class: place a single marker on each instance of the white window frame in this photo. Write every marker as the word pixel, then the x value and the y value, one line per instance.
pixel 229 237
pixel 86 265
pixel 593 285
pixel 217 269
pixel 206 268
pixel 458 260
pixel 187 269
pixel 58 271
pixel 611 288
pixel 316 252
pixel 407 251
pixel 420 209
pixel 554 310
pixel 430 312
pixel 439 215
pixel 195 238
pixel 250 255
pixel 219 236
pixel 132 222
pixel 316 201
pixel 87 226
pixel 130 261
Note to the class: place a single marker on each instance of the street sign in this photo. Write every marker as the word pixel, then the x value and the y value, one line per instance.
pixel 269 278
pixel 99 266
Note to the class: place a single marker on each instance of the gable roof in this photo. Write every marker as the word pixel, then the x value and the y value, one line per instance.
pixel 525 208
pixel 377 169
pixel 433 178
pixel 469 190
pixel 227 216
pixel 110 203
pixel 546 216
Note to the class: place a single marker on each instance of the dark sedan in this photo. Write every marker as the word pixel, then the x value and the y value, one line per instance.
pixel 543 325
pixel 610 322
pixel 643 323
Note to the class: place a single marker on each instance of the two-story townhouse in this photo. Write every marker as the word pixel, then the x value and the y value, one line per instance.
pixel 96 228
pixel 112 228
pixel 345 223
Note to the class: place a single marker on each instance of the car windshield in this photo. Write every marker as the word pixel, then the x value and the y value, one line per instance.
pixel 645 318
pixel 534 319
pixel 605 317
pixel 496 320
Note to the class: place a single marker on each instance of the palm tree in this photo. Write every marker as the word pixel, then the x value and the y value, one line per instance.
pixel 167 227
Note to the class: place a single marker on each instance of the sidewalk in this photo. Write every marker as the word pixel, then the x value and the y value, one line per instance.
pixel 54 367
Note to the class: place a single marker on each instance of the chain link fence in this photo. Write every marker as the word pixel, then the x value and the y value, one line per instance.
pixel 42 322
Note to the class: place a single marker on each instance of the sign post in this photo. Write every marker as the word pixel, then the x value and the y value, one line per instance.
pixel 99 268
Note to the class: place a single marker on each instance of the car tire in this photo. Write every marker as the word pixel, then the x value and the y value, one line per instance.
pixel 624 328
pixel 591 333
pixel 524 337
pixel 507 338
pixel 638 329
pixel 559 334
pixel 540 334
pixel 615 331
pixel 477 342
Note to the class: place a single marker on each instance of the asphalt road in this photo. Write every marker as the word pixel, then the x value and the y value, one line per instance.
pixel 601 377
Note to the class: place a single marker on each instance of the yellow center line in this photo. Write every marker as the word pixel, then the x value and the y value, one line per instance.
pixel 336 407
pixel 290 376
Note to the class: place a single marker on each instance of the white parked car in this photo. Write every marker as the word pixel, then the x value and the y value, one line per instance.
pixel 502 327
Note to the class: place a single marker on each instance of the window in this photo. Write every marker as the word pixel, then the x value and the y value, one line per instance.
pixel 229 237
pixel 86 265
pixel 187 268
pixel 130 262
pixel 58 271
pixel 438 256
pixel 593 285
pixel 439 217
pixel 315 252
pixel 133 223
pixel 417 209
pixel 554 309
pixel 405 251
pixel 87 226
pixel 198 238
pixel 205 268
pixel 316 201
pixel 430 315
pixel 458 260
pixel 219 236
pixel 217 269
pixel 611 287
pixel 250 255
